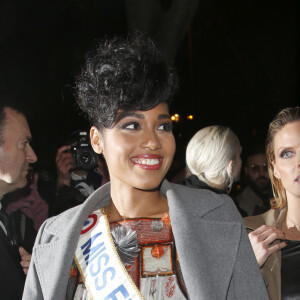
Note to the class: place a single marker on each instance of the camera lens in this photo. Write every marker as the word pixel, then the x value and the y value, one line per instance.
pixel 85 158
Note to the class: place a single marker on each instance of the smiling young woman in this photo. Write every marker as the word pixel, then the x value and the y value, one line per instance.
pixel 280 260
pixel 139 236
pixel 139 150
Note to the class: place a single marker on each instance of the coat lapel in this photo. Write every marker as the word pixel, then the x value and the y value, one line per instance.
pixel 55 251
pixel 271 270
pixel 199 234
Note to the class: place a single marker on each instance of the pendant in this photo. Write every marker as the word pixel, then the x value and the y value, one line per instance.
pixel 157 251
pixel 157 225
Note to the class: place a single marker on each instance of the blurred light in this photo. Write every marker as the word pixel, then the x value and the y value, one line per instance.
pixel 175 117
pixel 190 117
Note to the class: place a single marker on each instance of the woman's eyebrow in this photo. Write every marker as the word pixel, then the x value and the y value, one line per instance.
pixel 134 114
pixel 165 116
pixel 125 114
pixel 288 147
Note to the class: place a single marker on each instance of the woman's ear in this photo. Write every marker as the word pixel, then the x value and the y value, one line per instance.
pixel 275 171
pixel 96 140
pixel 230 166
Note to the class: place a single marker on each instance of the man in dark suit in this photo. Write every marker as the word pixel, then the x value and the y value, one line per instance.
pixel 15 156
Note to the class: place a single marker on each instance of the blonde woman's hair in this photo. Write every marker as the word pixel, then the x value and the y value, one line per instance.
pixel 284 117
pixel 209 152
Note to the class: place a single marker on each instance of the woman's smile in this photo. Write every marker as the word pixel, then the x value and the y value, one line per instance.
pixel 147 161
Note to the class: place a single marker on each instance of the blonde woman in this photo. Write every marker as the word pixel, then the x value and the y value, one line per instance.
pixel 213 158
pixel 275 235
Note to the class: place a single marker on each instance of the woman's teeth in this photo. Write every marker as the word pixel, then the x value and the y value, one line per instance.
pixel 148 162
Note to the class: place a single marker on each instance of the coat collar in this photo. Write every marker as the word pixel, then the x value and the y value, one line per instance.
pixel 273 217
pixel 101 197
pixel 183 198
pixel 75 216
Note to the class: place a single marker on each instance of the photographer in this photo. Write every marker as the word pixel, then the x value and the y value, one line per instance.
pixel 79 172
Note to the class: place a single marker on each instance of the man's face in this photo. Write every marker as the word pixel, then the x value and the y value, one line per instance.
pixel 15 152
pixel 256 171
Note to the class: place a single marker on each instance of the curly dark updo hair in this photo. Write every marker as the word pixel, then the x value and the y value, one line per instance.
pixel 123 75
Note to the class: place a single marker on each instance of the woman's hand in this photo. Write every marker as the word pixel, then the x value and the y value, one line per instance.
pixel 261 240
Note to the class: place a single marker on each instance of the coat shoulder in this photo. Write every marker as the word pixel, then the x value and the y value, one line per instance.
pixel 72 219
pixel 203 203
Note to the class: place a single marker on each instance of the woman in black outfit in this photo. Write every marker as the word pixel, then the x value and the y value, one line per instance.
pixel 213 158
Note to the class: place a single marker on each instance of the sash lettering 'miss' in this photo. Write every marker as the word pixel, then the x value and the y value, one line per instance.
pixel 97 259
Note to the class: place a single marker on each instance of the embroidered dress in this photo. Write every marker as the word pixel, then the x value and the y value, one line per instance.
pixel 154 268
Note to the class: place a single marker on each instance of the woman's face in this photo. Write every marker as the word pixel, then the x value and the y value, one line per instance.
pixel 287 158
pixel 139 149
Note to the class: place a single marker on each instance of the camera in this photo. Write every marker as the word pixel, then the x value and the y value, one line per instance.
pixel 84 156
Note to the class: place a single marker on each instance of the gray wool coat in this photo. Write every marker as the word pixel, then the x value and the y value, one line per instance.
pixel 214 251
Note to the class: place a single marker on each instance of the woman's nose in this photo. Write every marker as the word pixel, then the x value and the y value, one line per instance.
pixel 151 140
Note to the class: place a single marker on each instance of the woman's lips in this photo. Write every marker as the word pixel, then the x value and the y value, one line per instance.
pixel 147 162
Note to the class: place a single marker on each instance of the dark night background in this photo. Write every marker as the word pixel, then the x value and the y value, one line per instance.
pixel 238 64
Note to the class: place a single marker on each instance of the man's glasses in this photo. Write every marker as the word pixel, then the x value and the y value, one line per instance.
pixel 256 168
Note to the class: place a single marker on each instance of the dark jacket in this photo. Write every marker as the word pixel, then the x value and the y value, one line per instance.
pixel 194 182
pixel 12 277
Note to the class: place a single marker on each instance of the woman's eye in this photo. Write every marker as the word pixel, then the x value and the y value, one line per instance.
pixel 286 154
pixel 166 127
pixel 131 126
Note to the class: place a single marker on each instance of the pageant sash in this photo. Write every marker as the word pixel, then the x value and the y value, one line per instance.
pixel 101 269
